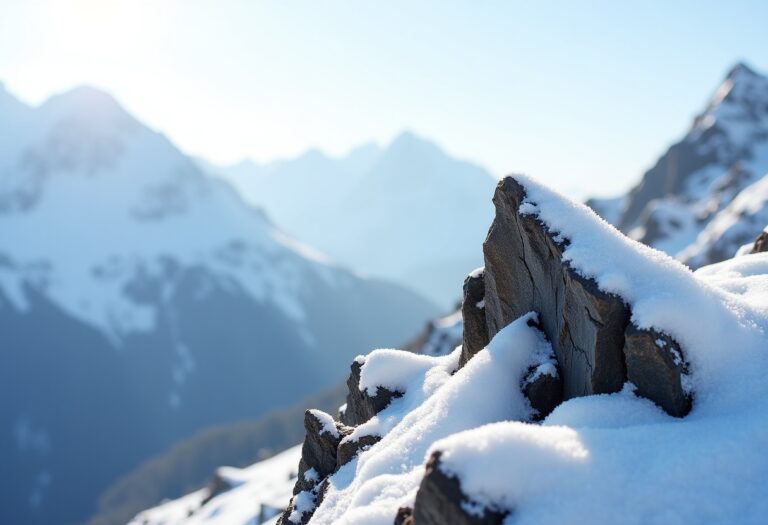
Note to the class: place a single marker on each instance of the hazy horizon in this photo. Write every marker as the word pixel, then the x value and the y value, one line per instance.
pixel 581 101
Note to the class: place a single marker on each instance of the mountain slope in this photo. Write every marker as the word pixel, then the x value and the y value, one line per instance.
pixel 691 186
pixel 141 298
pixel 426 211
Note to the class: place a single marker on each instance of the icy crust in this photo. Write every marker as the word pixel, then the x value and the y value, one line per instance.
pixel 259 491
pixel 436 404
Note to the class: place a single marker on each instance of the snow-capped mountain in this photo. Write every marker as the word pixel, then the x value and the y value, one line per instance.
pixel 599 381
pixel 425 211
pixel 703 198
pixel 141 300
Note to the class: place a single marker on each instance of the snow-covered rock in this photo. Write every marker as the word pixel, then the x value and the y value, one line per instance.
pixel 138 292
pixel 427 212
pixel 705 196
pixel 611 457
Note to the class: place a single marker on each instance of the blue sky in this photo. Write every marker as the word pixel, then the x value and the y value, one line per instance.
pixel 584 95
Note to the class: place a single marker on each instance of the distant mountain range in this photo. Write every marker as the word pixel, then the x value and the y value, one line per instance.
pixel 141 300
pixel 408 212
pixel 708 194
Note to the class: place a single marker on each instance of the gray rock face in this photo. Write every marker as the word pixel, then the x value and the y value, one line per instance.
pixel 360 406
pixel 524 272
pixel 761 243
pixel 656 367
pixel 318 452
pixel 439 501
pixel 350 449
pixel 473 314
pixel 544 393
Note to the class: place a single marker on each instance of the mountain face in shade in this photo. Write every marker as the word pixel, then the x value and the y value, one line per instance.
pixel 703 198
pixel 409 212
pixel 141 300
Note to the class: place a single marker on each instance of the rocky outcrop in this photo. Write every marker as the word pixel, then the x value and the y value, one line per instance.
pixel 473 313
pixel 656 367
pixel 350 448
pixel 524 271
pixel 328 445
pixel 318 461
pixel 597 350
pixel 440 501
pixel 360 406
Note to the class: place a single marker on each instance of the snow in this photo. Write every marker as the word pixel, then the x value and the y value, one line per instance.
pixel 369 489
pixel 263 488
pixel 327 424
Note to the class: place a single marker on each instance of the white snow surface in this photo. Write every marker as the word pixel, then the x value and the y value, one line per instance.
pixel 263 488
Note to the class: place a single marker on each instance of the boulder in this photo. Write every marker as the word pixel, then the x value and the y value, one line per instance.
pixel 544 392
pixel 360 406
pixel 525 271
pixel 318 451
pixel 348 449
pixel 473 313
pixel 657 368
pixel 440 501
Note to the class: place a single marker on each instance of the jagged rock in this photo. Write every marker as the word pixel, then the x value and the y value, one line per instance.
pixel 655 365
pixel 524 272
pixel 544 392
pixel 404 516
pixel 761 243
pixel 360 406
pixel 318 451
pixel 349 449
pixel 473 313
pixel 440 501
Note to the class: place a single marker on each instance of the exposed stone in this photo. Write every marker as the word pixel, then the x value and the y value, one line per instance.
pixel 404 516
pixel 656 366
pixel 524 272
pixel 318 452
pixel 544 392
pixel 473 314
pixel 360 406
pixel 440 501
pixel 761 243
pixel 349 449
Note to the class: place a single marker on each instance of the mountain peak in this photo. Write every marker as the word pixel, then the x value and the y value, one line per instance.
pixel 741 70
pixel 86 100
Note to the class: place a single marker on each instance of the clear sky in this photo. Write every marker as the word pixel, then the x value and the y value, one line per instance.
pixel 584 95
